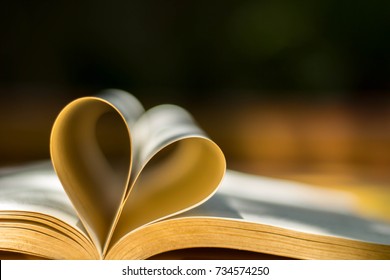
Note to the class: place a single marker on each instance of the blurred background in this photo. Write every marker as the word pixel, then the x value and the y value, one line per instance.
pixel 295 89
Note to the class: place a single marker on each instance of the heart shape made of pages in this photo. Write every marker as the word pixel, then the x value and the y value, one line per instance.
pixel 121 174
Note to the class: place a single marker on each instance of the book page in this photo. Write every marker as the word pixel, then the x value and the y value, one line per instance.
pixel 35 188
pixel 91 150
pixel 175 167
pixel 292 205
pixel 152 166
pixel 157 128
pixel 125 103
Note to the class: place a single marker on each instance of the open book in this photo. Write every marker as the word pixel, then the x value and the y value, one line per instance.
pixel 130 184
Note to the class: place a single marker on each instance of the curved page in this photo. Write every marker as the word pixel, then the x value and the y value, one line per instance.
pixel 176 167
pixel 91 152
pixel 117 180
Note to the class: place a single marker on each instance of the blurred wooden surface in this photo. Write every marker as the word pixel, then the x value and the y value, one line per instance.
pixel 271 138
pixel 327 144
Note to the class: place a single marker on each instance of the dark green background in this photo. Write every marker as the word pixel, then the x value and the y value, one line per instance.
pixel 187 50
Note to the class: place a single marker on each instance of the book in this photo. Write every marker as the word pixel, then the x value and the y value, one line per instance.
pixel 125 183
